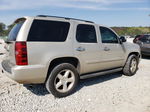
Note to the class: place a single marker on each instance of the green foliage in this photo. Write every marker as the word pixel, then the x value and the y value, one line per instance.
pixel 2 29
pixel 132 31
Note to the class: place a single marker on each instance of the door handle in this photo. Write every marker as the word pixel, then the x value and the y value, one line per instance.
pixel 106 49
pixel 80 49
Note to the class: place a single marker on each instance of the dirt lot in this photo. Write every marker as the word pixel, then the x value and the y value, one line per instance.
pixel 109 93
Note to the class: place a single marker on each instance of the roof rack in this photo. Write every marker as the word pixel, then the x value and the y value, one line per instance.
pixel 64 18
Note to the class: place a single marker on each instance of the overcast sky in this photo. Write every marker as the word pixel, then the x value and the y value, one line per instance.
pixel 107 12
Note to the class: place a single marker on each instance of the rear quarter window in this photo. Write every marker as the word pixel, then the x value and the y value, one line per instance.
pixel 51 31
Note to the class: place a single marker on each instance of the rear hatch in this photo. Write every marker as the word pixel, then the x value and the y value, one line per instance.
pixel 11 40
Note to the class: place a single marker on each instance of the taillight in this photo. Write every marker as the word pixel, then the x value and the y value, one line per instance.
pixel 21 53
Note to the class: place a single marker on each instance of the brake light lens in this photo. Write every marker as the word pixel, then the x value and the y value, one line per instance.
pixel 21 53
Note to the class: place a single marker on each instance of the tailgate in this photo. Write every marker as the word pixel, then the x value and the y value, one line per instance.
pixel 10 42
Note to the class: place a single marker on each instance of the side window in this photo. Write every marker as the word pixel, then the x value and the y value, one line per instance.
pixel 86 34
pixel 50 31
pixel 145 38
pixel 108 36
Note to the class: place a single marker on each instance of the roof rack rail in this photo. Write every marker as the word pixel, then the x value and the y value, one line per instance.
pixel 65 18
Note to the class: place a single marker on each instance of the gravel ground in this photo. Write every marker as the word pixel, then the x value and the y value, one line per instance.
pixel 109 93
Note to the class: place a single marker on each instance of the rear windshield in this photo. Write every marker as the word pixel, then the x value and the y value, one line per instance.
pixel 52 31
pixel 15 30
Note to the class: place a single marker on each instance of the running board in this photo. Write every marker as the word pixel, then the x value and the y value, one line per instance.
pixel 85 76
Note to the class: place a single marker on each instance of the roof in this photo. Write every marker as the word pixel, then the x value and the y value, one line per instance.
pixel 67 18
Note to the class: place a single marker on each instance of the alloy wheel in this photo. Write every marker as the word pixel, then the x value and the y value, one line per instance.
pixel 133 65
pixel 64 81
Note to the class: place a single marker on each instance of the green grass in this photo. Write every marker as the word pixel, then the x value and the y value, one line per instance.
pixel 132 31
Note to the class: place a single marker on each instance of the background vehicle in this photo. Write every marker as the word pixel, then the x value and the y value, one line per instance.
pixel 144 43
pixel 58 51
pixel 137 37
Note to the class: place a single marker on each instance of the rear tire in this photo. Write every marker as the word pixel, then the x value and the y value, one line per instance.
pixel 62 80
pixel 131 65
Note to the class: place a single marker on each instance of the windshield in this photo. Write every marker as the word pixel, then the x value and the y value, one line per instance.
pixel 15 30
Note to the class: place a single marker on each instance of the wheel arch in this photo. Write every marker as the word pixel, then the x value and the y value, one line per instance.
pixel 72 60
pixel 135 53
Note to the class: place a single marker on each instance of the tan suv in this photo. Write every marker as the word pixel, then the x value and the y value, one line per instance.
pixel 59 51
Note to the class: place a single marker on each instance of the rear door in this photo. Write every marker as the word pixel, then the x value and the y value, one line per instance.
pixel 86 47
pixel 112 50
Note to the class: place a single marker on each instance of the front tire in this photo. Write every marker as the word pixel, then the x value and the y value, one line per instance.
pixel 62 80
pixel 131 65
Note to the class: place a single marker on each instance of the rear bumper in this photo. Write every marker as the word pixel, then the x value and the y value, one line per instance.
pixel 29 74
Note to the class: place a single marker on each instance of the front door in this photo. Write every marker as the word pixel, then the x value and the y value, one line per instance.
pixel 112 50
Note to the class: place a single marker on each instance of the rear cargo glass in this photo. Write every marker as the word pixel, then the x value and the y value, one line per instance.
pixel 15 30
pixel 52 31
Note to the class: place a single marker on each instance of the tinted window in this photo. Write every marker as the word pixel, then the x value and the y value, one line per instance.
pixel 108 36
pixel 145 38
pixel 86 34
pixel 53 31
pixel 14 32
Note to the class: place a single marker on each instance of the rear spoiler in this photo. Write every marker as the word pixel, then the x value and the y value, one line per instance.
pixel 18 20
pixel 7 42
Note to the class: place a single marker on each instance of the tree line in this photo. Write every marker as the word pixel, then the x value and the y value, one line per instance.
pixel 132 31
pixel 4 29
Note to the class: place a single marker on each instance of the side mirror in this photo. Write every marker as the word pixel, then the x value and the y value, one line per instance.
pixel 123 39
